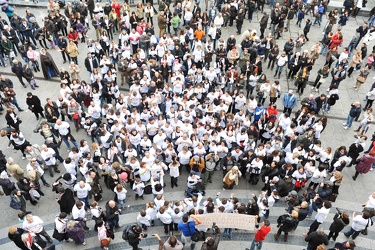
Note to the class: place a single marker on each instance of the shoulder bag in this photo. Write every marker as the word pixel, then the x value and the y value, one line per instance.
pixel 195 236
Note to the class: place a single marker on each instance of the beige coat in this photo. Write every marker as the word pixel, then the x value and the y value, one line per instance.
pixel 15 170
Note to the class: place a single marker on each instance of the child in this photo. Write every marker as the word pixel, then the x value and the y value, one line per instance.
pixel 159 201
pixel 120 191
pixel 166 219
pixel 151 211
pixel 138 188
pixel 144 219
pixel 177 217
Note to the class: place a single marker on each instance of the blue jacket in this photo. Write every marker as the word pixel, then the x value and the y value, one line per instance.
pixel 289 102
pixel 300 15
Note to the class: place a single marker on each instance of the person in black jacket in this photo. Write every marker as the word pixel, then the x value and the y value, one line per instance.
pixel 354 114
pixel 316 238
pixel 17 69
pixel 212 243
pixel 15 235
pixel 33 103
pixel 66 200
pixel 62 44
pixel 286 223
pixel 340 220
pixel 112 211
pixel 279 185
pixel 91 63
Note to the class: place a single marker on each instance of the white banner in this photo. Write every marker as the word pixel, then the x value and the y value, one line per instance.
pixel 222 220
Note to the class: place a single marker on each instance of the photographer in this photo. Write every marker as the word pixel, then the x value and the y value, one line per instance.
pixel 134 236
pixel 210 243
pixel 340 220
pixel 171 244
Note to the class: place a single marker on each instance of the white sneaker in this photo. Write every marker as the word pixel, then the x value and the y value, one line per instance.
pixel 84 243
pixel 316 90
pixel 344 124
pixel 345 127
pixel 313 87
pixel 23 158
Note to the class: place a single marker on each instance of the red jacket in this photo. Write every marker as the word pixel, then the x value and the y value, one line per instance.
pixel 73 36
pixel 262 233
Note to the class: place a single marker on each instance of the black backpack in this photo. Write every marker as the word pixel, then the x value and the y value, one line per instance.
pixel 125 233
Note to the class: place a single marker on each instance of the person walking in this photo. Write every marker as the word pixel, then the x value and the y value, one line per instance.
pixel 354 113
pixel 286 223
pixel 320 216
pixel 260 235
pixel 33 103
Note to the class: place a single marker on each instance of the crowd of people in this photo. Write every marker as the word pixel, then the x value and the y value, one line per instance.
pixel 198 103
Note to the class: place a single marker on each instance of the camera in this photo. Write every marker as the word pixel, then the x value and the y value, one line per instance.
pixel 144 235
pixel 215 228
pixel 338 210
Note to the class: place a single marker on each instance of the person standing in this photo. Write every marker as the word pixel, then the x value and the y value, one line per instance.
pixel 15 235
pixel 320 216
pixel 49 157
pixel 83 190
pixel 162 23
pixel 188 229
pixel 17 69
pixel 316 239
pixel 33 224
pixel 260 235
pixel 354 113
pixel 340 220
pixel 289 101
pixel 360 222
pixel 63 129
pixel 365 164
pixel 62 44
pixel 33 103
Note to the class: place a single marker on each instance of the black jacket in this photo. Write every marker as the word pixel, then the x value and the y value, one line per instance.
pixel 17 239
pixel 315 239
pixel 17 69
pixel 282 188
pixel 338 223
pixel 95 64
pixel 110 212
pixel 67 201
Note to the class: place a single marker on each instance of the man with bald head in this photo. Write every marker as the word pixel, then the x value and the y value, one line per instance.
pixel 83 190
pixel 112 211
pixel 49 157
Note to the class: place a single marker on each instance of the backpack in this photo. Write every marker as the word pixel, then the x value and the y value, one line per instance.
pixel 126 231
pixel 15 202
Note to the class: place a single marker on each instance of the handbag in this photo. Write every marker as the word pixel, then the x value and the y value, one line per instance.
pixel 364 231
pixel 105 242
pixel 195 236
pixel 14 204
pixel 361 79
pixel 58 236
pixel 333 197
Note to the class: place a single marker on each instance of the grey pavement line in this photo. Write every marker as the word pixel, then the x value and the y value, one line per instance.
pixel 134 209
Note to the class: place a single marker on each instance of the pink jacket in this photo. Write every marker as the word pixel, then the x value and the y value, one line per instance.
pixel 33 55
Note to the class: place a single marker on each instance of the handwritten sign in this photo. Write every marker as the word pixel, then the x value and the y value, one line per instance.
pixel 239 221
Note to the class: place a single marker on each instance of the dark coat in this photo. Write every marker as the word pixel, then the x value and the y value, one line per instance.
pixel 282 188
pixel 110 212
pixel 47 61
pixel 7 186
pixel 17 69
pixel 365 164
pixel 34 101
pixel 338 223
pixel 315 239
pixel 17 239
pixel 67 201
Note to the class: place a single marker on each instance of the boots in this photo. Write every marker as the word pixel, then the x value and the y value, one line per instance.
pixel 275 74
pixel 277 236
pixel 285 237
pixel 357 130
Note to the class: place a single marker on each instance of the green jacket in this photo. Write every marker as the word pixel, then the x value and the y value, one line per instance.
pixel 7 46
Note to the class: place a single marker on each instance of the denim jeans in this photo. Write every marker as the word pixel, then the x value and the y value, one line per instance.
pixel 326 106
pixel 352 232
pixel 65 140
pixel 122 203
pixel 279 68
pixel 86 202
pixel 228 232
pixel 349 121
pixel 256 243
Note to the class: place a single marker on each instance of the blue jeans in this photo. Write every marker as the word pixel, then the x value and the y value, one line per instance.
pixel 349 121
pixel 352 232
pixel 122 203
pixel 256 243
pixel 326 106
pixel 65 140
pixel 279 68
pixel 86 202
pixel 228 232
